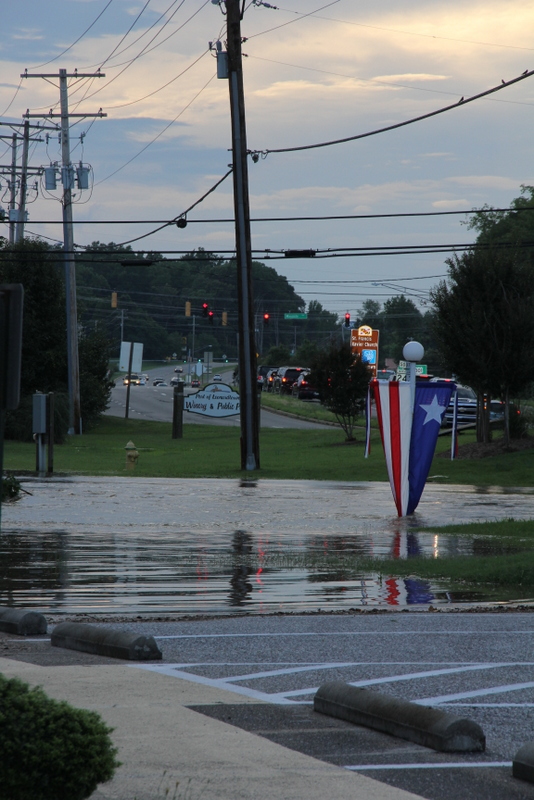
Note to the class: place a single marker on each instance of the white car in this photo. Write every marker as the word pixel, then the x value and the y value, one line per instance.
pixel 217 377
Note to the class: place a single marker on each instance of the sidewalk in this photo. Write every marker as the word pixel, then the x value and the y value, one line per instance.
pixel 162 742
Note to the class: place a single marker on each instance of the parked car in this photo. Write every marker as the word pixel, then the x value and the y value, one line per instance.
pixel 268 382
pixel 303 389
pixel 467 409
pixel 263 371
pixel 285 378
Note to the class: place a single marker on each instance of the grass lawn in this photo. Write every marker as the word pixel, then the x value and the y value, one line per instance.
pixel 213 451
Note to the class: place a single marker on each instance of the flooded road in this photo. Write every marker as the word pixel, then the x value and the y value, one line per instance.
pixel 128 546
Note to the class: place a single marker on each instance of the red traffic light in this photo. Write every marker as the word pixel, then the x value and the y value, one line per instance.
pixel 347 320
pixel 266 318
pixel 205 307
pixel 211 314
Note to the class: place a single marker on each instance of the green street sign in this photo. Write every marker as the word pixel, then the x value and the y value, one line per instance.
pixel 295 316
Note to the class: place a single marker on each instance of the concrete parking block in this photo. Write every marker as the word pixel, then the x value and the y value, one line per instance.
pixel 105 641
pixel 429 727
pixel 523 763
pixel 22 622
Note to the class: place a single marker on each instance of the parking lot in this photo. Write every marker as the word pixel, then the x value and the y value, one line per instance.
pixel 478 666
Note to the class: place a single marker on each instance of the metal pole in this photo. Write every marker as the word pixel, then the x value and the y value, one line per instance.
pixel 178 412
pixel 130 359
pixel 250 452
pixel 70 265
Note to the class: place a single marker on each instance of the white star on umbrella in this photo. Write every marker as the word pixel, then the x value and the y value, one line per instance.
pixel 433 411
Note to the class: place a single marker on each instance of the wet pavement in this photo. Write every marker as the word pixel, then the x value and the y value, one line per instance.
pixel 152 546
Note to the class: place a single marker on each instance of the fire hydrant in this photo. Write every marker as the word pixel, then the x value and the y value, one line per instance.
pixel 131 455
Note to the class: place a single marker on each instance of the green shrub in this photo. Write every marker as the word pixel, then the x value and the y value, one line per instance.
pixel 10 487
pixel 50 750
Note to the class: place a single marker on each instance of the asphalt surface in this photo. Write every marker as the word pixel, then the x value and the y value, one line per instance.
pixel 155 403
pixel 477 665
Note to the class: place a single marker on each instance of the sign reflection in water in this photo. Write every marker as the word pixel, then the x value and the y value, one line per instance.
pixel 212 572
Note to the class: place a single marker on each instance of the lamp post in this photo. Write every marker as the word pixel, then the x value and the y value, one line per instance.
pixel 413 352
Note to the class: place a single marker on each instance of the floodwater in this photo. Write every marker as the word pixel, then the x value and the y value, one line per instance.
pixel 131 546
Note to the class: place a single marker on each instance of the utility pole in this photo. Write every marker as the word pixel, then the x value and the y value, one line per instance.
pixel 250 446
pixel 19 236
pixel 13 186
pixel 67 176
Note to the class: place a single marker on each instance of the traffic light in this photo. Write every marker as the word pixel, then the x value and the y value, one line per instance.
pixel 113 299
pixel 347 320
pixel 187 308
pixel 211 314
pixel 266 319
pixel 224 319
pixel 205 309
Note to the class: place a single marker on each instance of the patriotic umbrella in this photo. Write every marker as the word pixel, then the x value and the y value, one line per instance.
pixel 409 433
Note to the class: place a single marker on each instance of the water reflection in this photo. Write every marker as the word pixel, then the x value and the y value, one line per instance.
pixel 216 572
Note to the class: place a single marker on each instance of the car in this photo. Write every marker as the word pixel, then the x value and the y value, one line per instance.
pixel 303 389
pixel 175 380
pixel 285 378
pixel 195 383
pixel 468 409
pixel 134 379
pixel 178 369
pixel 217 377
pixel 157 381
pixel 263 371
pixel 162 384
pixel 386 375
pixel 268 382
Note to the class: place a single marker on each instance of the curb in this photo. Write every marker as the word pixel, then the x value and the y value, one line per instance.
pixel 105 642
pixel 22 622
pixel 426 726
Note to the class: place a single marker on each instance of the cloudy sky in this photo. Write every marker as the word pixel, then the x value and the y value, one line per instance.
pixel 315 71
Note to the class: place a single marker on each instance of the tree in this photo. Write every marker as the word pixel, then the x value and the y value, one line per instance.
pixel 485 322
pixel 342 383
pixel 401 321
pixel 39 268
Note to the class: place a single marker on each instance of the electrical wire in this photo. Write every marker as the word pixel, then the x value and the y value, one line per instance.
pixel 145 52
pixel 374 80
pixel 323 218
pixel 196 203
pixel 414 33
pixel 38 66
pixel 156 138
pixel 155 91
pixel 462 102
pixel 292 21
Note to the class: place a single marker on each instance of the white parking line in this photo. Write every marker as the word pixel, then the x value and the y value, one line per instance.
pixel 445 698
pixel 410 676
pixel 450 765
pixel 217 683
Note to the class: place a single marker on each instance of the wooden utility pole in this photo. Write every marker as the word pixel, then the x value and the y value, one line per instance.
pixel 67 177
pixel 250 446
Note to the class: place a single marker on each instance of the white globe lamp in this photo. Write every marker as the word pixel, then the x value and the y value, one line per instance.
pixel 413 351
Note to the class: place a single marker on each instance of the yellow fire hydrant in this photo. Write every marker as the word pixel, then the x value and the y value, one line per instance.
pixel 132 454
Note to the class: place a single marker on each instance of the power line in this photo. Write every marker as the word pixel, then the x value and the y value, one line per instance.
pixel 156 138
pixel 463 101
pixel 324 217
pixel 38 66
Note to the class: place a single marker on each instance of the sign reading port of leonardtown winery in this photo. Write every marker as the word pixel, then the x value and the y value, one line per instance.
pixel 214 400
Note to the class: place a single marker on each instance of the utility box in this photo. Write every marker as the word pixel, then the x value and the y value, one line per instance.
pixel 39 413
